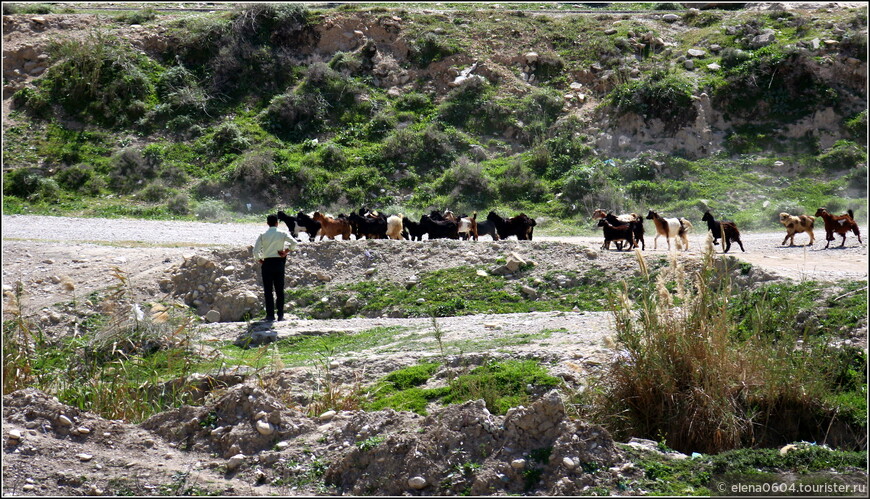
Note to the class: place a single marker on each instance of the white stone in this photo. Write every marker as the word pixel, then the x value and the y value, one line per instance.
pixel 416 482
pixel 669 18
pixel 569 463
pixel 282 445
pixel 264 427
pixel 15 435
pixel 696 53
pixel 235 461
pixel 64 421
pixel 28 487
pixel 518 464
pixel 213 316
pixel 84 457
pixel 531 57
pixel 713 67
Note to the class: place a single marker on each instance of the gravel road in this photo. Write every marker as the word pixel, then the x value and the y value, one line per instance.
pixel 40 250
pixel 763 248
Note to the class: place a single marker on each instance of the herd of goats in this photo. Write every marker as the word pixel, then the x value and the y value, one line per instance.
pixel 625 231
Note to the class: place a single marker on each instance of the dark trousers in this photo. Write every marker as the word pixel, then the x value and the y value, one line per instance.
pixel 273 280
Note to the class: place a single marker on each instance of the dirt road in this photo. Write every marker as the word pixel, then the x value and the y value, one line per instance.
pixel 40 250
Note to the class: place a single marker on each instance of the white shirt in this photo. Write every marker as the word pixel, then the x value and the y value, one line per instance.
pixel 271 242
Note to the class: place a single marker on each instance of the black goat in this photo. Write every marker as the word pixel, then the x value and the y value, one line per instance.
pixel 370 226
pixel 617 233
pixel 312 227
pixel 726 230
pixel 414 229
pixel 290 222
pixel 486 227
pixel 636 228
pixel 439 229
pixel 520 226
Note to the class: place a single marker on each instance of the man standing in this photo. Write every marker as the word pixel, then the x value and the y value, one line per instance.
pixel 269 251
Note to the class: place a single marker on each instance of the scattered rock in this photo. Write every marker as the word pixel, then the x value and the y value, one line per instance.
pixel 235 461
pixel 213 316
pixel 417 482
pixel 264 427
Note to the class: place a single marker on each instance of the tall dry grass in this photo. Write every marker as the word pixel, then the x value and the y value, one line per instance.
pixel 683 375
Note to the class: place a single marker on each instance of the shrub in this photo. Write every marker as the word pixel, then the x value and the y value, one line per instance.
pixel 139 17
pixel 173 175
pixel 466 184
pixel 791 89
pixel 542 105
pixel 661 95
pixel 424 150
pixel 857 127
pixel 155 192
pixel 33 101
pixel 130 169
pixel 380 124
pixel 26 8
pixel 549 66
pixel 855 45
pixel 47 190
pixel 74 178
pixel 253 180
pixel 98 80
pixel 684 378
pixel 414 101
pixel 518 182
pixel 563 152
pixel 295 115
pixel 429 48
pixel 464 101
pixel 212 209
pixel 21 182
pixel 179 204
pixel 843 155
pixel 731 57
pixel 345 62
pixel 228 138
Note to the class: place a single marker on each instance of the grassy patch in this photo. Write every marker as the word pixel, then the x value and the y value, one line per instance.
pixel 454 291
pixel 501 385
pixel 708 474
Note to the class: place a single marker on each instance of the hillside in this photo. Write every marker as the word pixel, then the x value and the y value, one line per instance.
pixel 146 112
pixel 144 143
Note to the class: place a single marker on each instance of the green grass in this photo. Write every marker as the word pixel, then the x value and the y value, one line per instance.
pixel 704 474
pixel 301 350
pixel 454 291
pixel 501 385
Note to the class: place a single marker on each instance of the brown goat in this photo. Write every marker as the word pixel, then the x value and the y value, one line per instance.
pixel 797 224
pixel 841 224
pixel 332 227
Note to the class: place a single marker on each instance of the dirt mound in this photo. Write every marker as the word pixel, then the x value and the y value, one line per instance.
pixel 245 420
pixel 465 449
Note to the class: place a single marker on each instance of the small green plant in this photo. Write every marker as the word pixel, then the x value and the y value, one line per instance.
pixel 370 443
